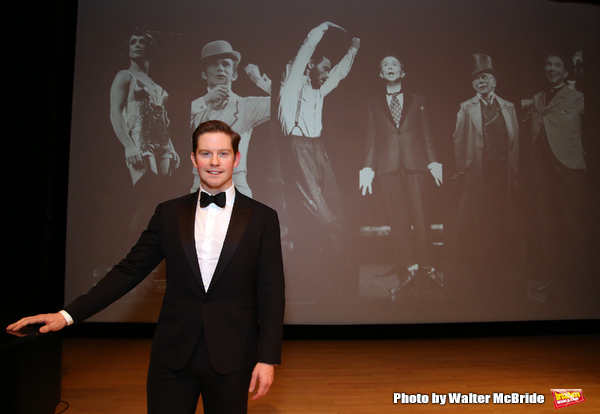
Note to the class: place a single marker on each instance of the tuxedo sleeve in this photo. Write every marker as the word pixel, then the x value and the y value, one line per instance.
pixel 123 277
pixel 431 154
pixel 271 293
pixel 370 140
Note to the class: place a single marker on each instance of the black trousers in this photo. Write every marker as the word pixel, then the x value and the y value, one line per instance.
pixel 559 195
pixel 178 392
pixel 403 197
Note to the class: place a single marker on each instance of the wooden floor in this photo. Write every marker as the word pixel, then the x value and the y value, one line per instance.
pixel 108 375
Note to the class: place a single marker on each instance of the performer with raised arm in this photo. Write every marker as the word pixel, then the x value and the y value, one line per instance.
pixel 220 69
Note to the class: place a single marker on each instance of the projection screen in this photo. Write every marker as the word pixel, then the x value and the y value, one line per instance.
pixel 381 224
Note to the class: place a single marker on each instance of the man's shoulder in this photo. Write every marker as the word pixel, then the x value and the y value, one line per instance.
pixel 471 101
pixel 539 94
pixel 184 199
pixel 246 201
pixel 504 102
pixel 198 105
pixel 572 93
pixel 413 95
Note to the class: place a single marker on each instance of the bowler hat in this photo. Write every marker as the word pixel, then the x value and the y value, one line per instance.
pixel 480 63
pixel 219 49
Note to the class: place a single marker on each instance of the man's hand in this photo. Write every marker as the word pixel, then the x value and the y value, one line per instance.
pixel 133 156
pixel 263 82
pixel 435 168
pixel 335 26
pixel 217 94
pixel 253 72
pixel 51 322
pixel 355 43
pixel 262 374
pixel 365 180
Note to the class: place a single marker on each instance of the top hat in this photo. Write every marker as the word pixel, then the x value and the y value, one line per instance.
pixel 480 63
pixel 219 49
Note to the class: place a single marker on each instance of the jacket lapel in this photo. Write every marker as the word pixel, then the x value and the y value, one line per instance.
pixel 405 107
pixel 475 114
pixel 507 118
pixel 186 232
pixel 240 216
pixel 558 98
pixel 385 108
pixel 540 101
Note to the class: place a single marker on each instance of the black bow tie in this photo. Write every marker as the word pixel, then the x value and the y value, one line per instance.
pixel 218 199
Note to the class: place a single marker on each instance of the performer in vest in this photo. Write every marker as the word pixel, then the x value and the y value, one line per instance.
pixel 486 149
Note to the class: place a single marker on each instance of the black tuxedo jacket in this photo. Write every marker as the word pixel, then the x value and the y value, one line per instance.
pixel 241 314
pixel 410 145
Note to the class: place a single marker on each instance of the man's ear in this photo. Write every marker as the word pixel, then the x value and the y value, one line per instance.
pixel 381 74
pixel 238 158
pixel 234 76
pixel 204 75
pixel 193 156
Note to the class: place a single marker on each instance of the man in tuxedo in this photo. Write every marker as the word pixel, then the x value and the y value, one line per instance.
pixel 559 168
pixel 486 150
pixel 400 152
pixel 220 327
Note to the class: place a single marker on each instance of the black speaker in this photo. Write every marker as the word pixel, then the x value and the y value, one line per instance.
pixel 30 368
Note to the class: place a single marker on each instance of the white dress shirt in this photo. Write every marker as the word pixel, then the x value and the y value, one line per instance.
pixel 491 98
pixel 210 228
pixel 300 106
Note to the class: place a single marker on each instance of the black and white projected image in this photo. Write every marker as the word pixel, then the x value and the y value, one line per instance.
pixel 400 153
pixel 486 154
pixel 422 172
pixel 219 67
pixel 314 208
pixel 139 118
pixel 559 166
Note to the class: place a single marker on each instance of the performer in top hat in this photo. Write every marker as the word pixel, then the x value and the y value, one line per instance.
pixel 486 149
pixel 219 68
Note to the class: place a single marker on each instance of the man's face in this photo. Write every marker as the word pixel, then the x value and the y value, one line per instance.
pixel 220 72
pixel 391 69
pixel 484 83
pixel 319 73
pixel 555 70
pixel 137 47
pixel 215 160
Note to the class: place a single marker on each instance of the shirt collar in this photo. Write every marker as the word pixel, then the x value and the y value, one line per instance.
pixel 492 96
